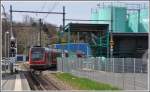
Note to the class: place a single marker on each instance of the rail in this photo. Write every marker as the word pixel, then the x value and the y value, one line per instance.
pixel 40 82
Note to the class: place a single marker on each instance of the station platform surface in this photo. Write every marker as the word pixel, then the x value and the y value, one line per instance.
pixel 14 82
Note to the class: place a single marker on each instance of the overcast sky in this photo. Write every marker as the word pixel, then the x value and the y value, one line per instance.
pixel 74 9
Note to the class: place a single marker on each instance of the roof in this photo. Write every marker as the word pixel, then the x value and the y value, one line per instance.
pixel 85 27
pixel 129 34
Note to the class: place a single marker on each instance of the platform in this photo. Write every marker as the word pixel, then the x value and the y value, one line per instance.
pixel 14 82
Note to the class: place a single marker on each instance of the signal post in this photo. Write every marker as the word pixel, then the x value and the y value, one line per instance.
pixel 13 51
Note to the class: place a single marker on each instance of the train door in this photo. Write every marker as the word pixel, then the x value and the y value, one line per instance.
pixel 46 58
pixel 49 58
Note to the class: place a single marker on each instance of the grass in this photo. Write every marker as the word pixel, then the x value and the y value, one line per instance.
pixel 83 83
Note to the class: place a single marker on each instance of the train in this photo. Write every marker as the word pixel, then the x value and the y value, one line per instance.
pixel 44 58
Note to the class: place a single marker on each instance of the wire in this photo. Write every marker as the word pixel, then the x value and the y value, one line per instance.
pixel 53 7
pixel 42 8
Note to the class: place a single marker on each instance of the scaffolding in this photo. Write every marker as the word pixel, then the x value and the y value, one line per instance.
pixel 96 35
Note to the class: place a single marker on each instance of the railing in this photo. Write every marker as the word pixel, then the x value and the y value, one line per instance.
pixel 5 62
pixel 125 73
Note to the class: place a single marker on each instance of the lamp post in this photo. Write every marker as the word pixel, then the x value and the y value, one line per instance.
pixel 111 51
pixel 6 47
pixel 111 46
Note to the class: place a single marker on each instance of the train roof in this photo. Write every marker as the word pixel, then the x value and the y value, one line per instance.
pixel 50 49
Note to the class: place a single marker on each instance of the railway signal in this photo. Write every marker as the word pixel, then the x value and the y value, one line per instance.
pixel 13 48
pixel 13 52
pixel 12 44
pixel 45 28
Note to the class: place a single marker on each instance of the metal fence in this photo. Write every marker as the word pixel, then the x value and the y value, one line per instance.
pixel 125 73
pixel 5 63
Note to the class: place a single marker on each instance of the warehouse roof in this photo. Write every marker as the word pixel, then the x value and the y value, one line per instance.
pixel 85 27
pixel 129 34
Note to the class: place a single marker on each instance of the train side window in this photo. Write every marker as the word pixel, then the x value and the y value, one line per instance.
pixel 45 57
pixel 49 56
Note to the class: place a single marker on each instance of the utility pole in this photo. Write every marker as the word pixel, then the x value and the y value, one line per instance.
pixel 63 52
pixel 6 47
pixel 40 25
pixel 13 48
pixel 111 36
pixel 11 64
pixel 111 45
pixel 11 33
pixel 63 18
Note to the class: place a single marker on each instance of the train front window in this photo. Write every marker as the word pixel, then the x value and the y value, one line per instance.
pixel 37 54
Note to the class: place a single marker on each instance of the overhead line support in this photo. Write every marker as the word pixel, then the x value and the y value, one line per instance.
pixel 38 12
pixel 84 20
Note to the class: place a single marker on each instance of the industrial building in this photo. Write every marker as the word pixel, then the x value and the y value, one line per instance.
pixel 117 30
pixel 128 27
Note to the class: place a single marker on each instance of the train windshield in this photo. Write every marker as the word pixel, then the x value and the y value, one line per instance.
pixel 37 54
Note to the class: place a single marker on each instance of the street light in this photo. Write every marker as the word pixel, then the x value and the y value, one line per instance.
pixel 6 47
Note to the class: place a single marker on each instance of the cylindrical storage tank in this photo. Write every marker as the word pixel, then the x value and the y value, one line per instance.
pixel 116 14
pixel 133 22
pixel 94 16
pixel 144 20
pixel 104 14
pixel 119 19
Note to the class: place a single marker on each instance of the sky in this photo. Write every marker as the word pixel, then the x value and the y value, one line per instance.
pixel 74 9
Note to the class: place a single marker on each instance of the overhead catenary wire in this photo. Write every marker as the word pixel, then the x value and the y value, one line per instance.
pixel 53 7
pixel 42 8
pixel 44 5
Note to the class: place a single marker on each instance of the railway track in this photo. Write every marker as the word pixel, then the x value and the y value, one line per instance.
pixel 49 83
pixel 39 82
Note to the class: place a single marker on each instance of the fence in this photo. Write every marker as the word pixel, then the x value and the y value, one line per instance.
pixel 125 73
pixel 5 63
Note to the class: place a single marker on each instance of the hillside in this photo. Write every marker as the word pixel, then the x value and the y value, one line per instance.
pixel 27 34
